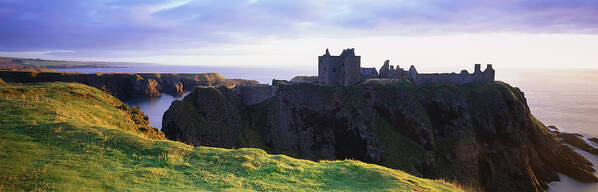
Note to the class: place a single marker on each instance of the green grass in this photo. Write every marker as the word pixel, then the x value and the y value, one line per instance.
pixel 304 79
pixel 72 137
pixel 399 150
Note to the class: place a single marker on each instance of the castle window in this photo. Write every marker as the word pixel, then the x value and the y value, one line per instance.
pixel 333 69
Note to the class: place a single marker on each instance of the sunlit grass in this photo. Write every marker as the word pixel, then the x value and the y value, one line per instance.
pixel 72 137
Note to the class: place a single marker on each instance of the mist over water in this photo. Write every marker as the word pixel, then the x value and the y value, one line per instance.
pixel 567 99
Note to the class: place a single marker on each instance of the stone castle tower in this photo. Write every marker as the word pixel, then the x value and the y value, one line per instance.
pixel 339 70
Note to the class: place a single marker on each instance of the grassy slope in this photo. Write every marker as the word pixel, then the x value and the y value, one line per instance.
pixel 72 137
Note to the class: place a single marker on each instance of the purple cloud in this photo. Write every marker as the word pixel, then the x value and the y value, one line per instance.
pixel 153 25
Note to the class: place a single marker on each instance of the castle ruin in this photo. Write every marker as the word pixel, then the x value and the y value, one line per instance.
pixel 339 70
pixel 346 70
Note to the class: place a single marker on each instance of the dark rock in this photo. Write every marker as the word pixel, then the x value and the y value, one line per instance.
pixel 149 87
pixel 142 122
pixel 218 106
pixel 178 86
pixel 576 140
pixel 480 134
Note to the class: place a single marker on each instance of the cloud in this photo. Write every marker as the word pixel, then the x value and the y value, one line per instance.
pixel 104 26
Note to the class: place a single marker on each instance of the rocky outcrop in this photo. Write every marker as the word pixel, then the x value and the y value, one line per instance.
pixel 149 87
pixel 251 95
pixel 576 140
pixel 480 134
pixel 218 106
pixel 141 122
pixel 123 85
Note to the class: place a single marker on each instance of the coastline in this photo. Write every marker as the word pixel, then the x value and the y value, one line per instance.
pixel 540 108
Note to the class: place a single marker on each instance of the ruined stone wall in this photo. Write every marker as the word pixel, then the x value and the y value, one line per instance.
pixel 322 74
pixel 368 73
pixel 387 71
pixel 346 70
pixel 454 78
pixel 451 78
pixel 329 70
pixel 255 94
pixel 334 70
pixel 352 70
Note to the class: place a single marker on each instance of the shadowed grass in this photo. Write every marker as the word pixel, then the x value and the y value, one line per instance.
pixel 72 137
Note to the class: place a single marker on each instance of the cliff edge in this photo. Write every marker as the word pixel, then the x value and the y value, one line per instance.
pixel 480 134
pixel 124 85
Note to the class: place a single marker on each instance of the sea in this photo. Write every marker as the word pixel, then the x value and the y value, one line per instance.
pixel 566 98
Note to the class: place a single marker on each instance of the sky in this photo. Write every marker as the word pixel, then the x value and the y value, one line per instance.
pixel 434 35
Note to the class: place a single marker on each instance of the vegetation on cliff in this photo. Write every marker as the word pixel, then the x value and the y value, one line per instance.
pixel 72 137
pixel 479 134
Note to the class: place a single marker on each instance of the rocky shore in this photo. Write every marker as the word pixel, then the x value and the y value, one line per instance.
pixel 575 140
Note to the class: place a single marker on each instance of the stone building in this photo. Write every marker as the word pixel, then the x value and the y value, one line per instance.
pixel 346 70
pixel 339 70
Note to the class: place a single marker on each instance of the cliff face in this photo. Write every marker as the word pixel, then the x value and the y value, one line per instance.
pixel 482 135
pixel 214 115
pixel 123 85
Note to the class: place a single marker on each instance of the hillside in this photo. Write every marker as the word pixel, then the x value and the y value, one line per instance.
pixel 72 137
pixel 478 134
pixel 41 64
pixel 126 85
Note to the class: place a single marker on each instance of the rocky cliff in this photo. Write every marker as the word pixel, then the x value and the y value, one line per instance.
pixel 481 134
pixel 123 85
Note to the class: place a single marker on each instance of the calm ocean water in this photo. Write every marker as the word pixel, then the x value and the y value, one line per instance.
pixel 567 99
